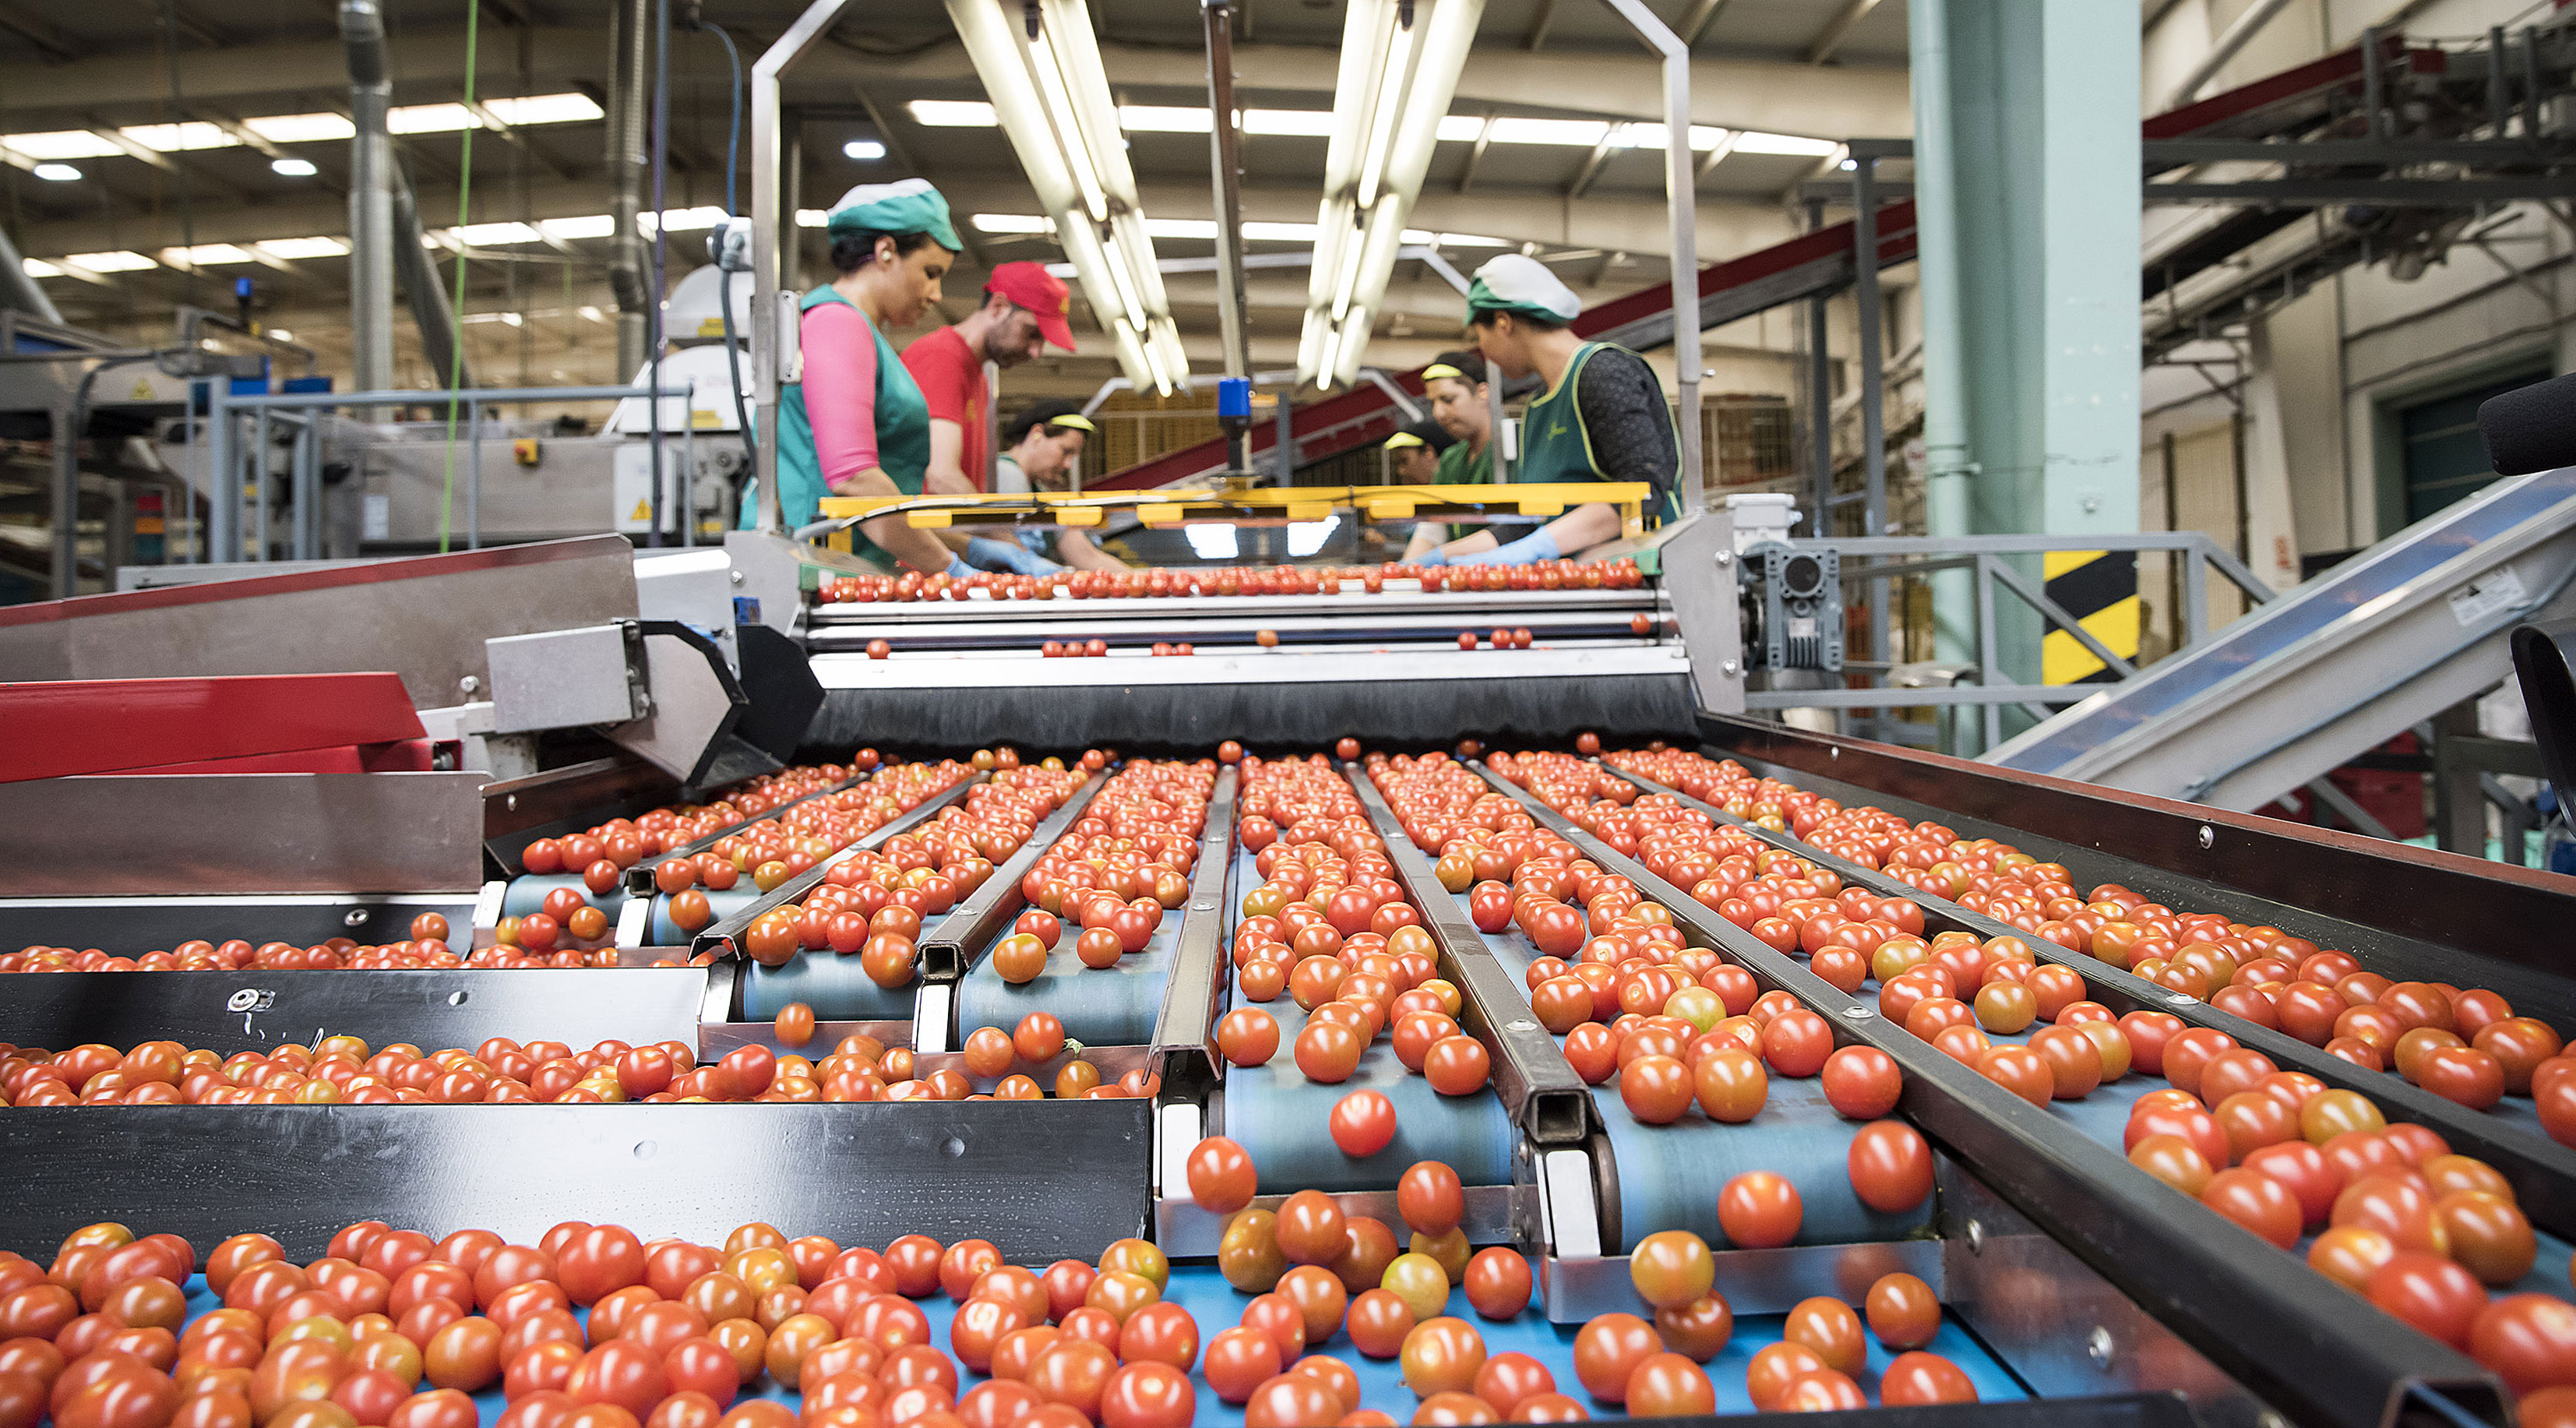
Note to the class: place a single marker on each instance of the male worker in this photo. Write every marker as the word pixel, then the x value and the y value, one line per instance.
pixel 1041 445
pixel 1600 416
pixel 1024 310
pixel 1455 382
pixel 1410 459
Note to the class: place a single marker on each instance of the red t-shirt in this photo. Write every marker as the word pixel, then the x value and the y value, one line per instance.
pixel 951 378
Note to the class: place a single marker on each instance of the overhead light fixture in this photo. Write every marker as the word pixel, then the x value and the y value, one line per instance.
pixel 293 168
pixel 293 248
pixel 123 261
pixel 863 150
pixel 1399 67
pixel 1049 93
pixel 56 173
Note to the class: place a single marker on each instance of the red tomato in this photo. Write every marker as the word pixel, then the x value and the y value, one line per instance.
pixel 1862 1082
pixel 2428 1292
pixel 1363 1123
pixel 1759 1210
pixel 1890 1165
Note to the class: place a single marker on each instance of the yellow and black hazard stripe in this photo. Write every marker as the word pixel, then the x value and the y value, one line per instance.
pixel 2100 589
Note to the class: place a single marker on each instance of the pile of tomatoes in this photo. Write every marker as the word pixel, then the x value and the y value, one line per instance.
pixel 2467 1046
pixel 1228 581
pixel 624 842
pixel 2418 1231
pixel 1319 1268
pixel 1678 1026
pixel 872 902
pixel 1330 925
pixel 339 1070
pixel 1115 873
pixel 426 947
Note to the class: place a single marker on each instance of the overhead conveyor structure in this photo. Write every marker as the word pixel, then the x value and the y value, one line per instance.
pixel 2411 627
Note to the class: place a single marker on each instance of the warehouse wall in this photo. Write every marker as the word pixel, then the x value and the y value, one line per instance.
pixel 2320 383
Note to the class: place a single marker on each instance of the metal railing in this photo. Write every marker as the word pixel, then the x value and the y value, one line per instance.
pixel 239 471
pixel 1874 563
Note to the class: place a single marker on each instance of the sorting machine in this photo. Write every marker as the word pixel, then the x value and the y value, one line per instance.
pixel 2074 1286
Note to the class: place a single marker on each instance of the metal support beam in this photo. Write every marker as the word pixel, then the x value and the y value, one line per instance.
pixel 1540 25
pixel 1838 28
pixel 1476 154
pixel 66 503
pixel 1681 199
pixel 767 223
pixel 1820 403
pixel 1697 19
pixel 1225 168
pixel 1871 360
pixel 371 201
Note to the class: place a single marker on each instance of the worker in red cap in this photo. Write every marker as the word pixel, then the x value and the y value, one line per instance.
pixel 1024 309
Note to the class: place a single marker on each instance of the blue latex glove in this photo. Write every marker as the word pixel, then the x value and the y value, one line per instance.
pixel 1434 556
pixel 1527 550
pixel 989 554
pixel 959 570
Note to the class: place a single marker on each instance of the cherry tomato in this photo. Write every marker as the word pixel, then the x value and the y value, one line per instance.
pixel 1498 1285
pixel 1759 1210
pixel 1903 1311
pixel 2435 1296
pixel 1221 1176
pixel 1890 1166
pixel 1919 1378
pixel 1608 1348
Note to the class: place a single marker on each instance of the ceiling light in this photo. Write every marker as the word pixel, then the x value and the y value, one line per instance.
pixel 302 128
pixel 1050 94
pixel 863 150
pixel 812 218
pixel 60 144
pixel 117 262
pixel 1578 133
pixel 431 119
pixel 280 333
pixel 171 138
pixel 513 319
pixel 572 108
pixel 492 235
pixel 293 248
pixel 1390 106
pixel 39 268
pixel 205 254
pixel 57 173
pixel 1163 119
pixel 952 113
pixel 591 314
pixel 704 216
pixel 293 168
pixel 1751 142
pixel 588 225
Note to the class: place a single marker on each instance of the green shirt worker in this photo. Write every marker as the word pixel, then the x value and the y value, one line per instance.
pixel 855 424
pixel 1455 382
pixel 1041 444
pixel 1601 416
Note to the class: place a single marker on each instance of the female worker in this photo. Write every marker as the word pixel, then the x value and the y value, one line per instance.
pixel 1455 383
pixel 856 424
pixel 1601 415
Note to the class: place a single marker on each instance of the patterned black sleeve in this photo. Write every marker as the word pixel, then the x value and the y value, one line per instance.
pixel 1630 423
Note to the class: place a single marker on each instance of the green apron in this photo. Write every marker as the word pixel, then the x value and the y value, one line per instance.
pixel 903 440
pixel 1556 447
pixel 1456 469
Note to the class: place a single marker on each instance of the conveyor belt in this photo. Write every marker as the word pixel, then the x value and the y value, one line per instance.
pixel 2409 627
pixel 1100 1006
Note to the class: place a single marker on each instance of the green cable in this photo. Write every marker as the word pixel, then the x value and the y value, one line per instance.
pixel 456 359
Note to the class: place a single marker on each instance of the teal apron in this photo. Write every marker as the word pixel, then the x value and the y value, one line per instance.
pixel 903 440
pixel 1556 447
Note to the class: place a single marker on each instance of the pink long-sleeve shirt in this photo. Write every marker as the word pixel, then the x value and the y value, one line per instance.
pixel 840 354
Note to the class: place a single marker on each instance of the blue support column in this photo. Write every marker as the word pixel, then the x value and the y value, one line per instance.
pixel 2027 173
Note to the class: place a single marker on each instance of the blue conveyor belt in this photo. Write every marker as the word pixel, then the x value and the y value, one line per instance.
pixel 1102 1006
pixel 829 982
pixel 1279 1116
pixel 1199 1289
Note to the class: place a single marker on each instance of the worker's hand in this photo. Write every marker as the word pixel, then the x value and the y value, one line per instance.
pixel 1525 551
pixel 946 483
pixel 959 570
pixel 988 554
pixel 1435 556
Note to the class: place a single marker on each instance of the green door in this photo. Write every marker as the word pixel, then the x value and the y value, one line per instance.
pixel 2445 460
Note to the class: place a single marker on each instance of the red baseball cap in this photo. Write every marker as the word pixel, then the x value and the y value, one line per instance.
pixel 1044 294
